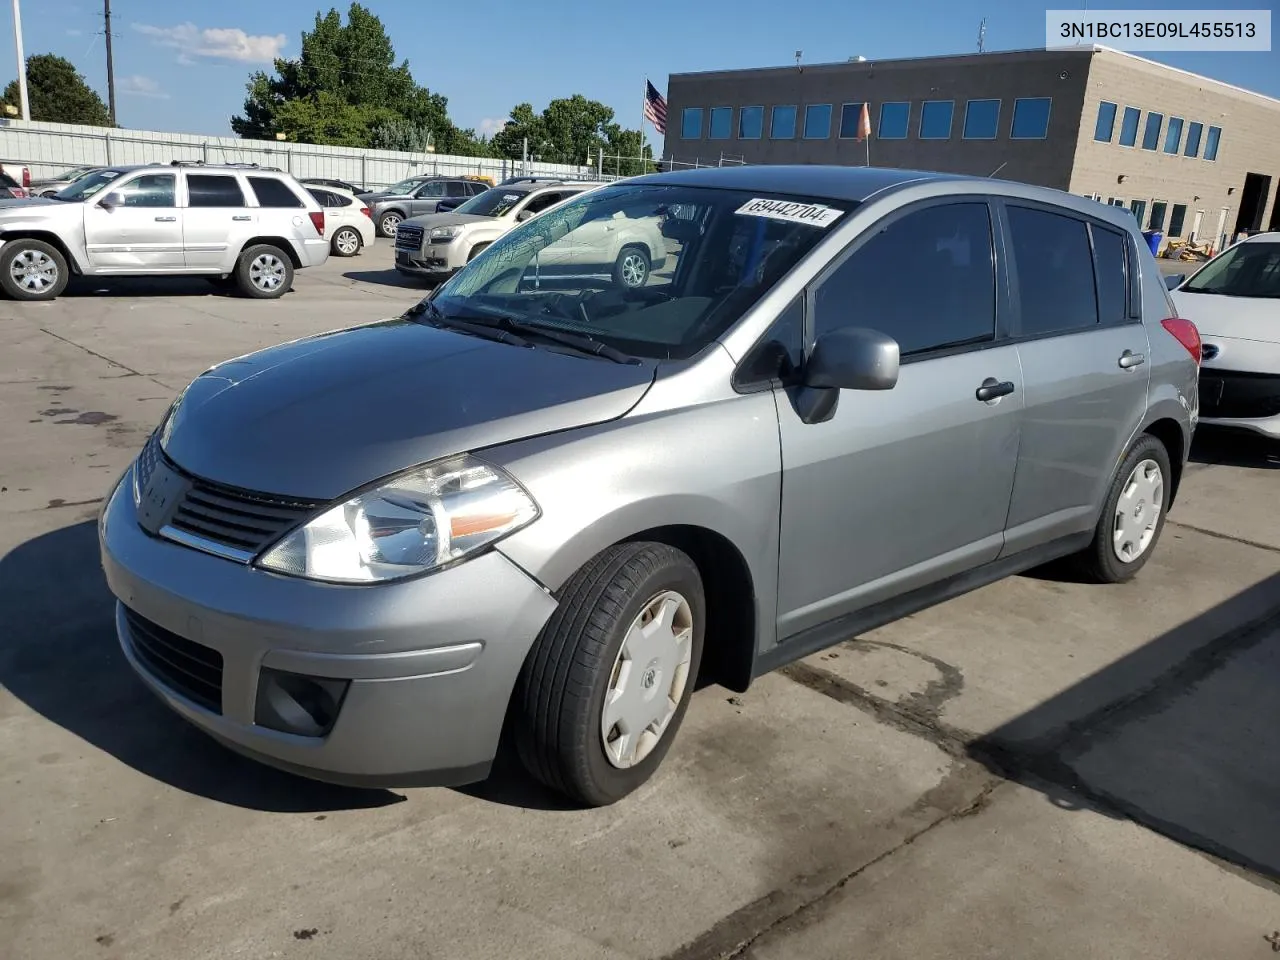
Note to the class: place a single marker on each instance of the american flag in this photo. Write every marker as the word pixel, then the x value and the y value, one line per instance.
pixel 655 108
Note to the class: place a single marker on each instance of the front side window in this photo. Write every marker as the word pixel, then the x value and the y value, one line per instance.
pixel 1052 255
pixel 274 193
pixel 1151 136
pixel 149 190
pixel 493 202
pixel 894 118
pixel 817 121
pixel 1129 126
pixel 691 123
pixel 1177 218
pixel 981 119
pixel 751 123
pixel 882 283
pixel 783 126
pixel 1158 208
pixel 430 190
pixel 1250 269
pixel 721 123
pixel 1111 274
pixel 935 119
pixel 1211 143
pixel 206 190
pixel 850 120
pixel 1030 118
pixel 1194 132
pixel 711 255
pixel 1105 127
pixel 1173 139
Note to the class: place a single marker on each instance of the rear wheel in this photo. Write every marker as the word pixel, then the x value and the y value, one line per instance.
pixel 32 270
pixel 604 689
pixel 631 269
pixel 388 222
pixel 264 272
pixel 346 242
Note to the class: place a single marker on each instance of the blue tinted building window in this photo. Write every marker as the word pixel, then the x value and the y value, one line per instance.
pixel 1030 118
pixel 850 114
pixel 981 119
pixel 784 123
pixel 1173 138
pixel 893 121
pixel 1105 128
pixel 721 123
pixel 817 121
pixel 1129 126
pixel 751 123
pixel 1151 135
pixel 691 123
pixel 935 119
pixel 1194 132
pixel 1211 143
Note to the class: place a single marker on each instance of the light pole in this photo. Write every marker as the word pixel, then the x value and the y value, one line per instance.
pixel 22 62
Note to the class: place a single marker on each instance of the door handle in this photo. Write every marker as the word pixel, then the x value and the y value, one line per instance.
pixel 993 389
pixel 166 219
pixel 1129 359
pixel 241 218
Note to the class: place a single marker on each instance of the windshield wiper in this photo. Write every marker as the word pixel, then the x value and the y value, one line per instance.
pixel 488 331
pixel 581 342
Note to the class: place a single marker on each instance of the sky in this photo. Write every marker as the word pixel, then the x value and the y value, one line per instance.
pixel 182 67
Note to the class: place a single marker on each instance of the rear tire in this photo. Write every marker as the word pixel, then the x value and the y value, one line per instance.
pixel 594 720
pixel 264 272
pixel 1133 515
pixel 346 242
pixel 33 270
pixel 631 269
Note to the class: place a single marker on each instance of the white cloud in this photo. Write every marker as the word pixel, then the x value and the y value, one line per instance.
pixel 75 33
pixel 490 125
pixel 217 43
pixel 142 87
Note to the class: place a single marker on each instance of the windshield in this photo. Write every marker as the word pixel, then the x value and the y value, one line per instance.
pixel 492 203
pixel 88 185
pixel 73 174
pixel 404 186
pixel 1246 270
pixel 656 271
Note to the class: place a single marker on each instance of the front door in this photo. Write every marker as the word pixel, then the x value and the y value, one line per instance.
pixel 426 198
pixel 142 228
pixel 1220 238
pixel 1083 350
pixel 904 487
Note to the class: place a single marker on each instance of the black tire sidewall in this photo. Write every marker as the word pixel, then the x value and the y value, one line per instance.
pixel 622 256
pixel 246 285
pixel 12 249
pixel 1112 568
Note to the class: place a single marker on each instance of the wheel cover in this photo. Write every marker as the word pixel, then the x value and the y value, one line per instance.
pixel 1138 511
pixel 347 241
pixel 648 679
pixel 267 272
pixel 633 270
pixel 34 270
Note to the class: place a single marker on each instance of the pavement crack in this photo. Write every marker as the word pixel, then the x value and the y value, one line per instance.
pixel 94 353
pixel 1224 536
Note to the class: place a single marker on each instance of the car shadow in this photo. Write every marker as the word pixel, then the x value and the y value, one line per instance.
pixel 389 278
pixel 60 657
pixel 1176 736
pixel 1235 448
pixel 124 287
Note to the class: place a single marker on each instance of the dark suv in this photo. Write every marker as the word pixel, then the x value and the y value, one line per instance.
pixel 415 196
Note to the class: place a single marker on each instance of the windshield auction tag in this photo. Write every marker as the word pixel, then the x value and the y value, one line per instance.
pixel 814 214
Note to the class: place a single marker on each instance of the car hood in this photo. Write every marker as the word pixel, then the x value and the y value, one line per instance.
pixel 1244 318
pixel 429 220
pixel 318 417
pixel 382 195
pixel 29 205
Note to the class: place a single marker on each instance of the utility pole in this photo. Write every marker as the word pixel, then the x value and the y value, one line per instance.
pixel 22 62
pixel 111 73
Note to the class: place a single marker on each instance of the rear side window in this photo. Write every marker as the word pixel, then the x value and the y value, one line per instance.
pixel 1110 270
pixel 274 193
pixel 204 190
pixel 926 279
pixel 1053 259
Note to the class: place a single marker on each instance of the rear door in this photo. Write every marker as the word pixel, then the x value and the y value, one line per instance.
pixel 143 232
pixel 1083 349
pixel 217 212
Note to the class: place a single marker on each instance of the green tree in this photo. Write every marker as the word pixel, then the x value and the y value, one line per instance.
pixel 58 93
pixel 523 125
pixel 572 130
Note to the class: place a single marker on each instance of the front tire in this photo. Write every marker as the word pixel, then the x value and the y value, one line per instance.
pixel 631 269
pixel 1133 515
pixel 388 222
pixel 33 270
pixel 605 687
pixel 346 242
pixel 264 272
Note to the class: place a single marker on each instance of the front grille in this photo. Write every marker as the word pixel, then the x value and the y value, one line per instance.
pixel 235 518
pixel 1226 394
pixel 408 237
pixel 190 669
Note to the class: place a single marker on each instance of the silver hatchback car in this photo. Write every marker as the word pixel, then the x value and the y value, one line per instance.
pixel 544 499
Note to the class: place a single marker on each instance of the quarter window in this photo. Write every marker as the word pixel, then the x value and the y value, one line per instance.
pixel 777 357
pixel 1052 255
pixel 1211 143
pixel 721 123
pixel 1110 270
pixel 817 121
pixel 1194 132
pixel 1151 136
pixel 784 123
pixel 149 190
pixel 894 118
pixel 219 191
pixel 935 119
pixel 1104 129
pixel 751 123
pixel 1173 139
pixel 1129 126
pixel 948 243
pixel 273 193
pixel 1031 118
pixel 981 119
pixel 850 116
pixel 691 123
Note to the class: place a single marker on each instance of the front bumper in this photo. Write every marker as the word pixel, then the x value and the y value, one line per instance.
pixel 1240 399
pixel 432 661
pixel 433 263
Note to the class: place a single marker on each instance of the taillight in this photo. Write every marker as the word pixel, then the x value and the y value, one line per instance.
pixel 317 218
pixel 1185 332
pixel 18 193
pixel 26 176
pixel 367 212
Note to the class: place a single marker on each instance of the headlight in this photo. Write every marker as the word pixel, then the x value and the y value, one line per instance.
pixel 416 522
pixel 445 233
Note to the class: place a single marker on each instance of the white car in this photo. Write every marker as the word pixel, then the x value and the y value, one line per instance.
pixel 1234 300
pixel 348 221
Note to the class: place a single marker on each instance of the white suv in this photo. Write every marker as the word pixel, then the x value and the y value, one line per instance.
pixel 235 224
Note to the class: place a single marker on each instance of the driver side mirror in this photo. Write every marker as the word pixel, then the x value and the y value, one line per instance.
pixel 851 358
pixel 1174 281
pixel 523 215
pixel 111 201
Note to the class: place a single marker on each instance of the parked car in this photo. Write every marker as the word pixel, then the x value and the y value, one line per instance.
pixel 10 188
pixel 436 246
pixel 19 173
pixel 414 197
pixel 348 222
pixel 554 508
pixel 250 228
pixel 48 186
pixel 1235 301
pixel 336 184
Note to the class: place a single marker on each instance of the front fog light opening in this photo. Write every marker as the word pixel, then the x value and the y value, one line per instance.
pixel 298 704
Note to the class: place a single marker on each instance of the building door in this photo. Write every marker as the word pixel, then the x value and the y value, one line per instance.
pixel 1253 202
pixel 1195 225
pixel 1220 238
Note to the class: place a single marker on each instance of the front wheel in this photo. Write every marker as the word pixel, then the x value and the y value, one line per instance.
pixel 346 242
pixel 264 272
pixel 33 270
pixel 608 681
pixel 388 223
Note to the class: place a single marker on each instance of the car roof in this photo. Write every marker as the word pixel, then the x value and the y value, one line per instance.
pixel 1268 236
pixel 830 181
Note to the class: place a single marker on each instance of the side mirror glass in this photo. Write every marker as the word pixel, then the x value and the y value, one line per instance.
pixel 853 358
pixel 1174 281
pixel 524 215
pixel 110 201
